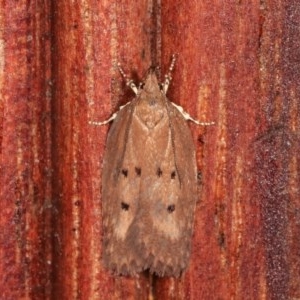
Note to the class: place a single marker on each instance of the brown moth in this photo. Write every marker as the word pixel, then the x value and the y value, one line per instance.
pixel 149 183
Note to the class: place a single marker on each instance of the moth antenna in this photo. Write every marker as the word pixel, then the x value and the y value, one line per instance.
pixel 108 120
pixel 168 76
pixel 129 81
pixel 189 118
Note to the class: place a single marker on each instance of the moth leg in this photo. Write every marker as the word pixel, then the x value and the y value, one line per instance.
pixel 168 76
pixel 189 118
pixel 110 119
pixel 129 81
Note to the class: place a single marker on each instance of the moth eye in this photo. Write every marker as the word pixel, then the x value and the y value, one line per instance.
pixel 159 172
pixel 173 175
pixel 124 206
pixel 138 171
pixel 124 172
pixel 171 208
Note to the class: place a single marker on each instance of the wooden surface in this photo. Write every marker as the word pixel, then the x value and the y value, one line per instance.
pixel 238 65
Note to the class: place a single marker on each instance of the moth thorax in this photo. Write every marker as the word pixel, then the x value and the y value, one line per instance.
pixel 150 110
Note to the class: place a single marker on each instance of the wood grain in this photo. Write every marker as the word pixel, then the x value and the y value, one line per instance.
pixel 238 66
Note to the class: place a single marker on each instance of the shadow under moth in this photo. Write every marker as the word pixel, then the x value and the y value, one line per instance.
pixel 149 183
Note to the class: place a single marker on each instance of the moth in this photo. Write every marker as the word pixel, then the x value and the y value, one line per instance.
pixel 149 183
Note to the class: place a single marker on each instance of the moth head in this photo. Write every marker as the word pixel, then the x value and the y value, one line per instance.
pixel 151 84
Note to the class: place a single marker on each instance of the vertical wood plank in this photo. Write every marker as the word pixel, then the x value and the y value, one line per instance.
pixel 25 136
pixel 88 40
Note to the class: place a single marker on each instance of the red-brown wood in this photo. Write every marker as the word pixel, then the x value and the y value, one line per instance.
pixel 25 173
pixel 238 66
